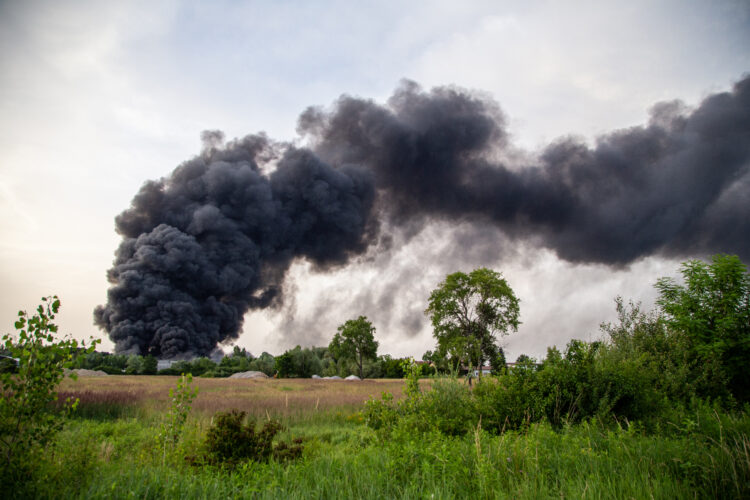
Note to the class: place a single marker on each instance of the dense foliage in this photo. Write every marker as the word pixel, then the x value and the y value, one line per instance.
pixel 692 352
pixel 298 362
pixel 234 439
pixel 712 310
pixel 355 341
pixel 468 312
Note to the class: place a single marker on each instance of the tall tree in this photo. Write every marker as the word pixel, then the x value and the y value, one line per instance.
pixel 150 365
pixel 355 340
pixel 469 311
pixel 712 308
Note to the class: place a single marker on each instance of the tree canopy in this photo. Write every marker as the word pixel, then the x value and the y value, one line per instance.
pixel 469 311
pixel 712 308
pixel 355 340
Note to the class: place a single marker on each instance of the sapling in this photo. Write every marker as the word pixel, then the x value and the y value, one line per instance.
pixel 181 400
pixel 29 419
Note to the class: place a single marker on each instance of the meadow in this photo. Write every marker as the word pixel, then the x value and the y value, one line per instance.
pixel 279 398
pixel 110 449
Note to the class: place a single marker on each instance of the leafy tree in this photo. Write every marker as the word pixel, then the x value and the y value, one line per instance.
pixel 712 308
pixel 437 360
pixel 355 340
pixel 28 418
pixel 265 363
pixel 553 356
pixel 306 363
pixel 241 353
pixel 135 365
pixel 285 365
pixel 202 365
pixel 468 311
pixel 150 365
pixel 661 351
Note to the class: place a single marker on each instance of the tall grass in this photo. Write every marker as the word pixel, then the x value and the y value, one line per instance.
pixel 277 397
pixel 698 454
pixel 346 460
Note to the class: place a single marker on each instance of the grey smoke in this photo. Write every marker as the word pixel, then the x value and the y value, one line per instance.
pixel 215 239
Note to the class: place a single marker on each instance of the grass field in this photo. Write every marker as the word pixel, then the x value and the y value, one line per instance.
pixel 260 397
pixel 111 449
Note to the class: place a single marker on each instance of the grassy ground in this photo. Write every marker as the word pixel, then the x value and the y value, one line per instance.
pixel 103 454
pixel 260 397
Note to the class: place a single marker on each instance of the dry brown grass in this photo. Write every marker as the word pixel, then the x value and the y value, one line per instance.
pixel 255 396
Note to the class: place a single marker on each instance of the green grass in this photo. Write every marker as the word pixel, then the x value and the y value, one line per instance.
pixel 701 455
pixel 344 459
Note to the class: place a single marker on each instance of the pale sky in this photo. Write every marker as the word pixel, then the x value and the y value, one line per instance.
pixel 97 97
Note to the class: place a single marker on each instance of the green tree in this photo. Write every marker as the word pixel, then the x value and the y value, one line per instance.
pixel 241 353
pixel 285 365
pixel 355 340
pixel 469 311
pixel 150 365
pixel 135 365
pixel 28 416
pixel 306 363
pixel 265 363
pixel 712 308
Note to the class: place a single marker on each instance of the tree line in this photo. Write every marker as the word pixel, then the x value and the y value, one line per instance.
pixel 699 336
pixel 651 371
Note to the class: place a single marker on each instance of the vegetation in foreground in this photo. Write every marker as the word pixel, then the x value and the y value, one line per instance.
pixel 657 409
pixel 703 454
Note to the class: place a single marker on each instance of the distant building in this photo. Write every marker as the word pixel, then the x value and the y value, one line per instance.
pixel 163 364
pixel 486 370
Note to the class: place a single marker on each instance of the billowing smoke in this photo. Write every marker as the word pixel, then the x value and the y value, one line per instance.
pixel 216 238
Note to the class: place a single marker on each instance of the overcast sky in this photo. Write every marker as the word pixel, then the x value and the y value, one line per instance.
pixel 98 97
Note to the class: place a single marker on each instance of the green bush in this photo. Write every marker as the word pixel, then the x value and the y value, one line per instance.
pixel 231 441
pixel 448 408
pixel 380 413
pixel 29 418
pixel 109 370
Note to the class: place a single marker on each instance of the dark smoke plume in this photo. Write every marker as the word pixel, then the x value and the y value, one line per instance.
pixel 216 238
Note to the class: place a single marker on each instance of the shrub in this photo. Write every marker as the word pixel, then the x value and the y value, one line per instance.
pixel 448 407
pixel 231 441
pixel 509 402
pixel 380 413
pixel 28 417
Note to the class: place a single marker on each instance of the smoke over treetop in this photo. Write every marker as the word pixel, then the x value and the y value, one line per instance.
pixel 215 239
pixel 203 246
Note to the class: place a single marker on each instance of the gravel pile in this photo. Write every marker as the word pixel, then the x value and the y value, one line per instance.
pixel 250 374
pixel 81 372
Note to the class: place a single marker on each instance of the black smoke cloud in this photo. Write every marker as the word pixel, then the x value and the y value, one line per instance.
pixel 216 238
